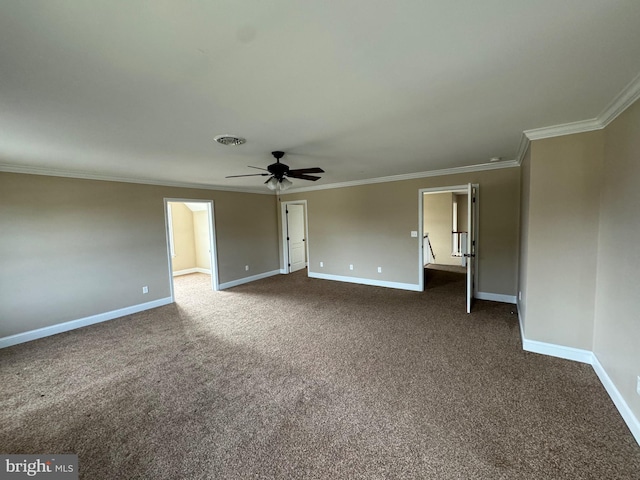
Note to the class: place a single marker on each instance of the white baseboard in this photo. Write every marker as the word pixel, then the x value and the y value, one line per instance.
pixel 252 278
pixel 560 351
pixel 585 356
pixel 551 349
pixel 81 322
pixel 622 406
pixel 495 297
pixel 366 281
pixel 187 271
pixel 283 271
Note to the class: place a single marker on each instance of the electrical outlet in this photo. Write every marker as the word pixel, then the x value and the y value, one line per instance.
pixel 638 386
pixel 379 269
pixel 321 264
pixel 246 268
pixel 414 233
pixel 145 289
pixel 351 267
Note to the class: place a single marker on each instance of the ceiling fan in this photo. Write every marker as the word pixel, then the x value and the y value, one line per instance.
pixel 279 173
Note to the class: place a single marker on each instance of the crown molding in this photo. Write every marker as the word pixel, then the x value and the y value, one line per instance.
pixel 109 178
pixel 564 129
pixel 9 168
pixel 624 100
pixel 522 149
pixel 409 176
pixel 619 104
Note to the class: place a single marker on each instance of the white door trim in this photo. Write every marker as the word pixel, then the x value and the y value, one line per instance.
pixel 283 233
pixel 212 240
pixel 453 188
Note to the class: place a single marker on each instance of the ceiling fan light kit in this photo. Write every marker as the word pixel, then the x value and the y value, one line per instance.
pixel 280 185
pixel 279 173
pixel 272 183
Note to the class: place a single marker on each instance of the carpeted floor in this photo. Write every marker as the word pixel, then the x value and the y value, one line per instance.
pixel 292 377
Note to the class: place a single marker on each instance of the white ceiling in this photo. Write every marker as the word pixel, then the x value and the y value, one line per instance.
pixel 363 89
pixel 196 206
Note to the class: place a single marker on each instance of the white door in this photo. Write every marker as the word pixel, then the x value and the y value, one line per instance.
pixel 470 251
pixel 295 237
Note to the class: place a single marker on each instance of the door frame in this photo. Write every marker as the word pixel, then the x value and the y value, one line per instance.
pixel 212 240
pixel 286 269
pixel 472 243
pixel 454 188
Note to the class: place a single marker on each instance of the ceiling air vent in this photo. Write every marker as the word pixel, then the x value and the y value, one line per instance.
pixel 232 140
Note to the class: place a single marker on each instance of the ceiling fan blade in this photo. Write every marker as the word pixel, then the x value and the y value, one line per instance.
pixel 249 175
pixel 258 168
pixel 302 176
pixel 306 170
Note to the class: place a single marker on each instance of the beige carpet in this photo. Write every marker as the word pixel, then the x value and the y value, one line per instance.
pixel 291 377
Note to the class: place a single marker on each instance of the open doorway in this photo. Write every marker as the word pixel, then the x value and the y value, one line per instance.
pixel 448 224
pixel 191 245
pixel 295 248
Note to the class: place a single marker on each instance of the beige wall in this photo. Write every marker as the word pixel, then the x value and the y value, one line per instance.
pixel 73 248
pixel 370 226
pixel 617 317
pixel 523 260
pixel 564 195
pixel 578 258
pixel 184 246
pixel 463 212
pixel 438 223
pixel 201 239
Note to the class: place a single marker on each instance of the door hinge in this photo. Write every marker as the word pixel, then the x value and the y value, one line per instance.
pixel 474 200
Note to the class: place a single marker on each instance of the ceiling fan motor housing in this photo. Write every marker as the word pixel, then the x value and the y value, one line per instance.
pixel 278 170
